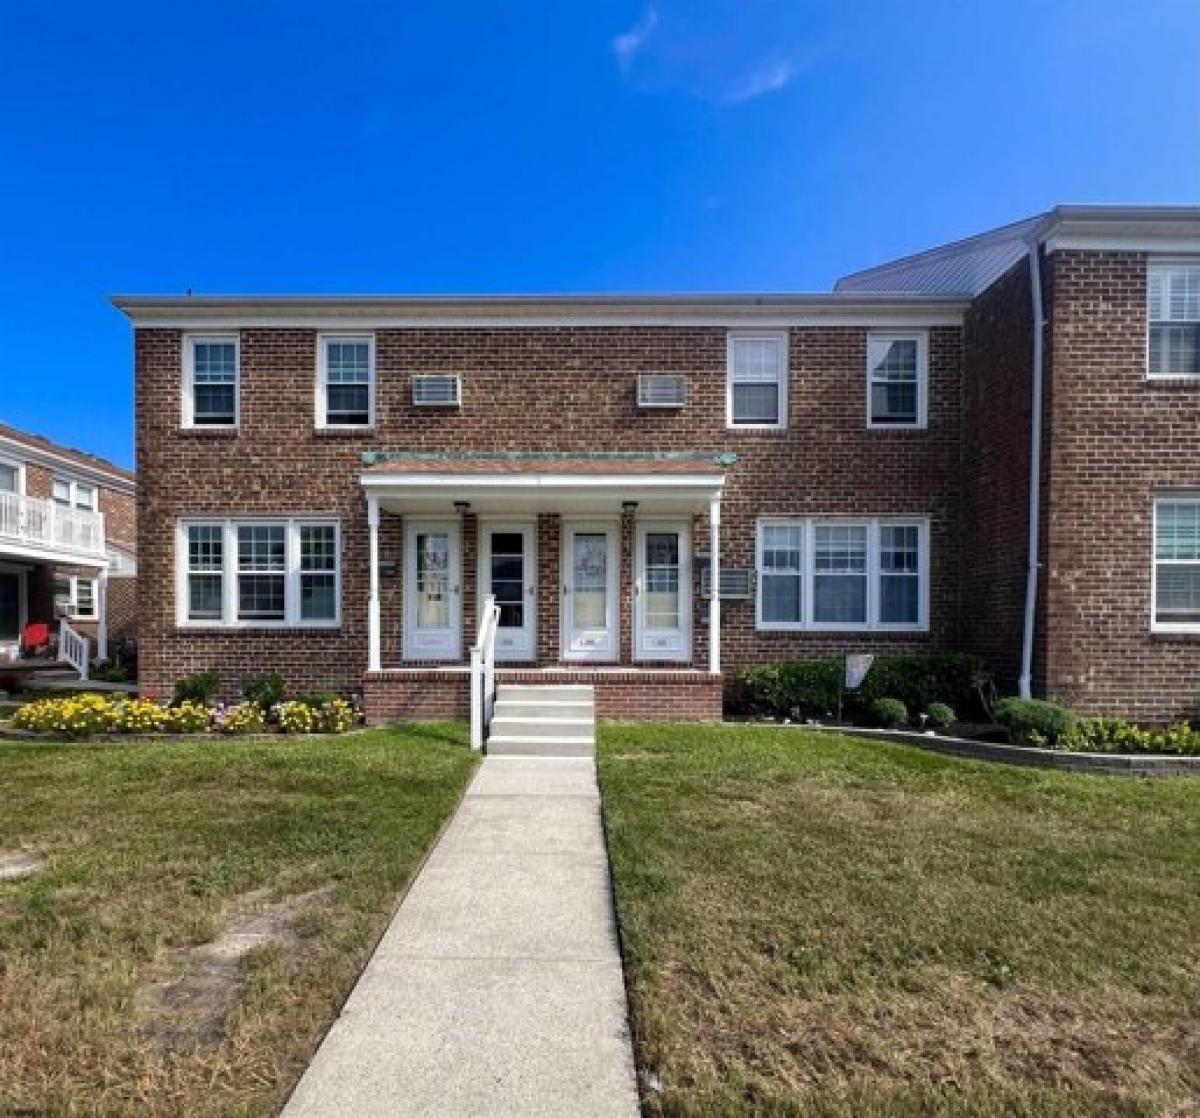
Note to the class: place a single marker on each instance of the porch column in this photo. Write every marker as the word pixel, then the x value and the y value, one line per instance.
pixel 102 614
pixel 714 599
pixel 374 658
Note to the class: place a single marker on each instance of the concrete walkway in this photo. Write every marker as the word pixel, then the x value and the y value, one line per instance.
pixel 497 990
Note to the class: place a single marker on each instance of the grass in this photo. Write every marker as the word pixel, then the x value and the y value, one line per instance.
pixel 816 925
pixel 123 984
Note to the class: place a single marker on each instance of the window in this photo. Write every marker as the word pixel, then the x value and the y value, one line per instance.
pixel 897 373
pixel 74 597
pixel 1174 314
pixel 757 374
pixel 260 573
pixel 73 494
pixel 210 396
pixel 10 478
pixel 345 382
pixel 1177 564
pixel 826 574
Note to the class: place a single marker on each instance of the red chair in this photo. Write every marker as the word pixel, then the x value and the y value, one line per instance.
pixel 35 638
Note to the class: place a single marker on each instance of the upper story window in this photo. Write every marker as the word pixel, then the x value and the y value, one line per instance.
pixel 897 377
pixel 757 381
pixel 345 381
pixel 11 480
pixel 1174 314
pixel 1176 574
pixel 74 494
pixel 210 382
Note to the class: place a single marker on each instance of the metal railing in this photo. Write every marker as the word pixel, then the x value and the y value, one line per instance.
pixel 73 648
pixel 483 672
pixel 42 523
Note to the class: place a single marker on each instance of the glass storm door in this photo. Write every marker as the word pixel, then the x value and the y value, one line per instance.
pixel 509 568
pixel 432 591
pixel 662 593
pixel 590 592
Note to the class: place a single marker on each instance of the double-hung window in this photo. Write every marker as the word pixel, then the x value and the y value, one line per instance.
pixel 75 597
pixel 1177 564
pixel 73 494
pixel 262 572
pixel 833 574
pixel 345 381
pixel 12 478
pixel 1173 298
pixel 210 388
pixel 897 378
pixel 757 380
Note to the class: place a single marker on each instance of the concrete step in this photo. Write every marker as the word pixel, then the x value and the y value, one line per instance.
pixel 545 728
pixel 537 692
pixel 500 746
pixel 519 708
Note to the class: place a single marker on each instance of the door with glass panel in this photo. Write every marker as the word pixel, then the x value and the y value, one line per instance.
pixel 662 592
pixel 508 570
pixel 589 615
pixel 432 590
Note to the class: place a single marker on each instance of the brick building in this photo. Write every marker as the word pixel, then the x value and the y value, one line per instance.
pixel 331 487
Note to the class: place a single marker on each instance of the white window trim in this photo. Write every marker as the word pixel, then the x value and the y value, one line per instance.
pixel 785 378
pixel 1166 263
pixel 921 337
pixel 229 571
pixel 73 485
pixel 19 466
pixel 73 613
pixel 320 396
pixel 873 524
pixel 190 342
pixel 1157 626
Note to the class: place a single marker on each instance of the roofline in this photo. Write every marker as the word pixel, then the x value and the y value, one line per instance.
pixel 107 473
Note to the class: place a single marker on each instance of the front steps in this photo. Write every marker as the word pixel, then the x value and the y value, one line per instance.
pixel 543 721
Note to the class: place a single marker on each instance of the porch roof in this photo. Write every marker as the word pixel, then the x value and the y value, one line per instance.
pixel 518 481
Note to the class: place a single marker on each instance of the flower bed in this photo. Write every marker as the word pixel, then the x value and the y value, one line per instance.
pixel 82 716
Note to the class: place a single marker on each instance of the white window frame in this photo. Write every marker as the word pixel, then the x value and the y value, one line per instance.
pixel 1157 626
pixel 190 341
pixel 873 524
pixel 1166 264
pixel 321 395
pixel 784 378
pixel 73 485
pixel 229 572
pixel 921 337
pixel 19 466
pixel 73 613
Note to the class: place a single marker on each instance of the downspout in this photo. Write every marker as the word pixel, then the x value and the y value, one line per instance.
pixel 1025 683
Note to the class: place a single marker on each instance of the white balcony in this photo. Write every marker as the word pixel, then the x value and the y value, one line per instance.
pixel 40 529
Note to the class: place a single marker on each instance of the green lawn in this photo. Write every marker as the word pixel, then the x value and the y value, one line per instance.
pixel 123 985
pixel 816 925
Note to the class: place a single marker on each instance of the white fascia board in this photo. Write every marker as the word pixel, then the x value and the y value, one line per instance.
pixel 65 466
pixel 1167 238
pixel 53 556
pixel 464 483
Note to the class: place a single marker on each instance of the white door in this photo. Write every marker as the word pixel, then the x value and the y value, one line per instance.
pixel 508 570
pixel 662 592
pixel 589 615
pixel 432 590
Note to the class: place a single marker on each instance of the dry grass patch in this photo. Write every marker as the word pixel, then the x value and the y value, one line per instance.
pixel 204 910
pixel 826 926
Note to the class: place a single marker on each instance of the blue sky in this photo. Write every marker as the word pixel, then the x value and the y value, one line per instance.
pixel 271 146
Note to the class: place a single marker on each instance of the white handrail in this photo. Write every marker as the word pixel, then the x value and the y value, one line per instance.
pixel 73 648
pixel 41 523
pixel 483 672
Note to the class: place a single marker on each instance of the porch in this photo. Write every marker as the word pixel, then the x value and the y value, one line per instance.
pixel 594 563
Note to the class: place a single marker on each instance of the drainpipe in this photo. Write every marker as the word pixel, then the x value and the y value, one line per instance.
pixel 1025 683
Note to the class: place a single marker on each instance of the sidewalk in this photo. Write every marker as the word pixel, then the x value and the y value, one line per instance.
pixel 497 989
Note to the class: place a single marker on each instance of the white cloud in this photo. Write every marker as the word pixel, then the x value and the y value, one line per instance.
pixel 626 45
pixel 763 79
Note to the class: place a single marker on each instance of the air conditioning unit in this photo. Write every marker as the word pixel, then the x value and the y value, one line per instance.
pixel 736 584
pixel 661 390
pixel 437 391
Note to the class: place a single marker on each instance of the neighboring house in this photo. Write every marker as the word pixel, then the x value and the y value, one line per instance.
pixel 68 543
pixel 329 486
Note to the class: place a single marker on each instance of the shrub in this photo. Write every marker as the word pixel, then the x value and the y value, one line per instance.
pixel 888 712
pixel 105 671
pixel 335 717
pixel 187 718
pixel 296 717
pixel 940 716
pixel 244 718
pixel 1033 721
pixel 317 699
pixel 136 716
pixel 1116 735
pixel 919 679
pixel 75 716
pixel 266 691
pixel 201 688
pixel 803 689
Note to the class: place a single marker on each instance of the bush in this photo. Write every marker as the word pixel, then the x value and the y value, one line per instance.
pixel 136 716
pixel 888 712
pixel 296 717
pixel 75 716
pixel 201 688
pixel 105 671
pixel 1115 735
pixel 317 699
pixel 920 679
pixel 266 691
pixel 805 689
pixel 335 717
pixel 1034 722
pixel 940 716
pixel 245 718
pixel 187 718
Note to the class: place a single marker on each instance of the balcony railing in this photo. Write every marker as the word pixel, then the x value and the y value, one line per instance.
pixel 48 526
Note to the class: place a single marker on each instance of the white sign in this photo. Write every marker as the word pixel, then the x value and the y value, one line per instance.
pixel 857 666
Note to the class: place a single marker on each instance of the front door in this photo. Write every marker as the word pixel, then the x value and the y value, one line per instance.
pixel 10 608
pixel 662 592
pixel 589 621
pixel 432 590
pixel 508 570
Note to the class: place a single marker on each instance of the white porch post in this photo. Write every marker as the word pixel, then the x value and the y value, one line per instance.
pixel 374 656
pixel 102 615
pixel 714 600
